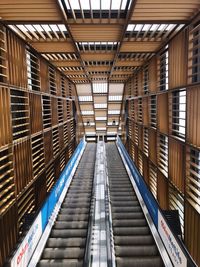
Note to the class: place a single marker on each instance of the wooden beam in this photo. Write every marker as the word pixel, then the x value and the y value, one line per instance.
pixel 54 47
pixel 130 63
pixel 140 46
pixel 103 56
pixel 121 72
pixel 98 68
pixel 66 63
pixel 96 32
pixel 75 72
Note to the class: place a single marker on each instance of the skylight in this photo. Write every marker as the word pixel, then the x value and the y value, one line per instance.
pixel 115 98
pixel 87 98
pixel 87 112
pixel 113 112
pixel 111 123
pixel 89 123
pixel 149 27
pixel 100 118
pixel 101 105
pixel 100 88
pixel 96 4
pixel 100 128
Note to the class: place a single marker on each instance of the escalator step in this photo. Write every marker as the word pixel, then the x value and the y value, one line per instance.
pixel 132 251
pixel 70 225
pixel 139 261
pixel 134 240
pixel 69 233
pixel 63 253
pixel 66 242
pixel 129 215
pixel 127 231
pixel 61 263
pixel 129 222
pixel 126 209
pixel 78 217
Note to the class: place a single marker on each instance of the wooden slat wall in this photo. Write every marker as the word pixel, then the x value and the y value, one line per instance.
pixel 152 145
pixel 35 113
pixel 177 180
pixel 176 171
pixel 153 75
pixel 162 113
pixel 192 231
pixel 162 193
pixel 178 61
pixel 22 164
pixel 193 116
pixel 32 152
pixel 16 61
pixel 9 233
pixel 5 123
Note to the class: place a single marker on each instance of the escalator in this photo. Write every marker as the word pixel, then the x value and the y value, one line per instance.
pixel 66 245
pixel 134 245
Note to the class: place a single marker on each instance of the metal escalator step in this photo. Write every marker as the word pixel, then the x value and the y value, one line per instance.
pixel 80 201
pixel 61 263
pixel 132 251
pixel 129 222
pixel 78 217
pixel 76 196
pixel 129 215
pixel 63 253
pixel 139 261
pixel 76 205
pixel 116 194
pixel 127 231
pixel 134 240
pixel 77 210
pixel 124 198
pixel 66 242
pixel 77 191
pixel 126 203
pixel 68 233
pixel 70 225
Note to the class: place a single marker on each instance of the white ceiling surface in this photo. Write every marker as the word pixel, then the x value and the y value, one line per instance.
pixel 100 104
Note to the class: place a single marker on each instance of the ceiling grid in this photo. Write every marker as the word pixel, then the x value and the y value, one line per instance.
pixel 98 42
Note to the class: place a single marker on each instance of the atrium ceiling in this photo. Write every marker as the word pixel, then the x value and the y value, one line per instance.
pixel 98 43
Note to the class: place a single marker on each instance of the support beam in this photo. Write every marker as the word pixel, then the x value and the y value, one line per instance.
pixel 140 46
pixel 54 47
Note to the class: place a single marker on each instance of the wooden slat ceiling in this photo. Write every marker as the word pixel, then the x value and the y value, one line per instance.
pixel 96 41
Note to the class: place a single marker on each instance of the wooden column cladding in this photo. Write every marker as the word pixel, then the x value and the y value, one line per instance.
pixel 163 113
pixel 22 164
pixel 192 231
pixel 176 163
pixel 162 190
pixel 9 232
pixel 193 116
pixel 3 55
pixel 35 112
pixel 5 122
pixel 37 134
pixel 153 74
pixel 16 61
pixel 178 61
pixel 152 145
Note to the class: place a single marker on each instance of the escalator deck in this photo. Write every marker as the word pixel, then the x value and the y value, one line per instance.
pixel 67 241
pixel 133 241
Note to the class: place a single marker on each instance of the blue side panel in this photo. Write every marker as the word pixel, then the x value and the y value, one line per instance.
pixel 148 198
pixel 51 201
